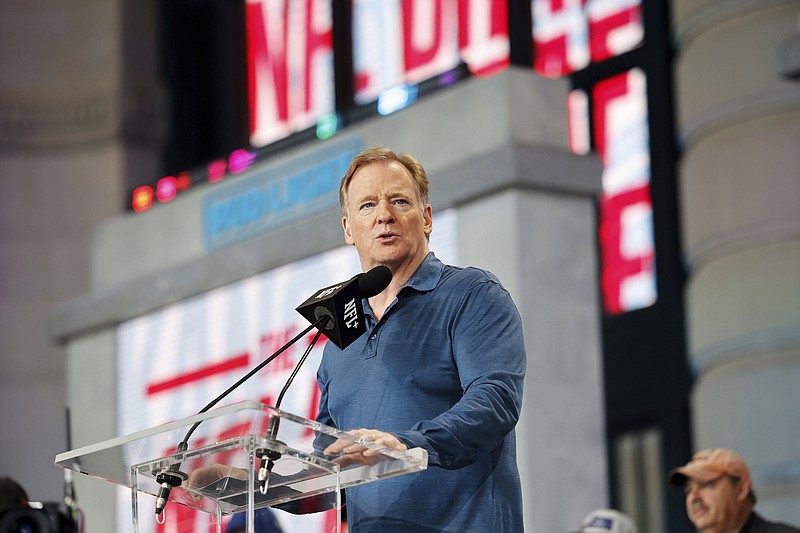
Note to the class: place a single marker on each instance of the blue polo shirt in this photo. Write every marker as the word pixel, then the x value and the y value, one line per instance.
pixel 442 370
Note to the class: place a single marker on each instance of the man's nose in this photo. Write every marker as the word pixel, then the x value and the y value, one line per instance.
pixel 384 212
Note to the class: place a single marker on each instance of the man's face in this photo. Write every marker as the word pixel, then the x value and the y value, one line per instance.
pixel 715 506
pixel 386 220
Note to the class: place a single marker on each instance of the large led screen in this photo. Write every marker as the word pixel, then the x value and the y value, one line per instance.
pixel 290 66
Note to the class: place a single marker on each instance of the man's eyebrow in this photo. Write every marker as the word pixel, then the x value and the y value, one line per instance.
pixel 402 193
pixel 390 194
pixel 362 197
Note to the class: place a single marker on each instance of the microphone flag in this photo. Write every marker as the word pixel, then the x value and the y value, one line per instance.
pixel 341 303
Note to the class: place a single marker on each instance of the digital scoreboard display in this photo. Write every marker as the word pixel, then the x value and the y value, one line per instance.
pixel 570 35
pixel 289 66
pixel 290 53
pixel 398 44
pixel 408 41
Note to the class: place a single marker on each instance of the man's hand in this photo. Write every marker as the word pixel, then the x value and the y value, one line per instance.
pixel 210 474
pixel 347 452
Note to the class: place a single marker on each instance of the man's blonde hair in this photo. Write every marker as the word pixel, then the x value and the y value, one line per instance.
pixel 383 154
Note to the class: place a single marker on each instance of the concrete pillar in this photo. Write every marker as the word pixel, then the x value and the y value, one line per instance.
pixel 79 101
pixel 739 121
pixel 60 170
pixel 561 433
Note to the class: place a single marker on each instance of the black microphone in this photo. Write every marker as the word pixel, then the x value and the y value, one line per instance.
pixel 341 303
pixel 374 281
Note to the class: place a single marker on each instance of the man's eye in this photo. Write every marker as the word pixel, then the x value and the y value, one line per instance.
pixel 366 205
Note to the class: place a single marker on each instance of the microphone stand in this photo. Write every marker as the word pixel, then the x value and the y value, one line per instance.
pixel 173 477
pixel 268 457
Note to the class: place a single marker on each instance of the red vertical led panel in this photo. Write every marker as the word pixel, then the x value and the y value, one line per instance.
pixel 627 251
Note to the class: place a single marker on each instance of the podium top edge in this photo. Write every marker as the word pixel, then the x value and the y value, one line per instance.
pixel 169 426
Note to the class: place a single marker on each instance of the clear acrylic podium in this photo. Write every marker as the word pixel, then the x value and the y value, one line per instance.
pixel 221 476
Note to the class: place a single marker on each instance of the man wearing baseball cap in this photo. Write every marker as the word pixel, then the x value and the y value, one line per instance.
pixel 719 494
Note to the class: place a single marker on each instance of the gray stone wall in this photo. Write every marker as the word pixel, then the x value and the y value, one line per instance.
pixel 739 122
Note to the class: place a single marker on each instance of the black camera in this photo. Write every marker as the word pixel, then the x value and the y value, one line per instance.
pixel 51 517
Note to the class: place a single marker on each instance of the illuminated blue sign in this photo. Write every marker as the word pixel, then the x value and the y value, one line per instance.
pixel 271 197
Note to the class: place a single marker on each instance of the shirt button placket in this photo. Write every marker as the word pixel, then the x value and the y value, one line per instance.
pixel 372 344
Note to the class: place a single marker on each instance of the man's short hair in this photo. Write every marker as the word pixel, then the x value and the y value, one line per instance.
pixel 383 154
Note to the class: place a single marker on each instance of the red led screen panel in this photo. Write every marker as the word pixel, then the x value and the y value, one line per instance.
pixel 626 223
pixel 289 66
pixel 568 35
pixel 409 41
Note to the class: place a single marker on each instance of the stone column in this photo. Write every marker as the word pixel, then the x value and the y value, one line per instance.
pixel 71 127
pixel 739 119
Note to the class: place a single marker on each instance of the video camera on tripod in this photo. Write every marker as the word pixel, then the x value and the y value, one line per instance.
pixel 19 515
pixel 34 517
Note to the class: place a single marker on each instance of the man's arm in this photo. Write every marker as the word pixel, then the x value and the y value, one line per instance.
pixel 489 351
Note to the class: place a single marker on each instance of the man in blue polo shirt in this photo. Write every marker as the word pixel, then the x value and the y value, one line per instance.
pixel 440 367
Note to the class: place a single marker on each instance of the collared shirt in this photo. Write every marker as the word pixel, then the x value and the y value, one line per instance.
pixel 748 524
pixel 443 370
pixel 757 524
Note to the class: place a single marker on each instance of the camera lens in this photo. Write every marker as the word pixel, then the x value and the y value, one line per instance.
pixel 24 521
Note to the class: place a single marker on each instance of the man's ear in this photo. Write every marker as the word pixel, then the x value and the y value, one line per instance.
pixel 427 216
pixel 348 235
pixel 744 490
